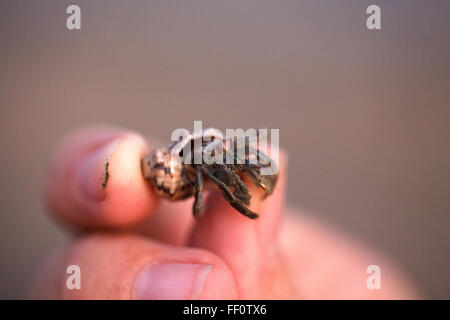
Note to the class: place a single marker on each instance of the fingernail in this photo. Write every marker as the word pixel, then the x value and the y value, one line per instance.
pixel 94 172
pixel 172 281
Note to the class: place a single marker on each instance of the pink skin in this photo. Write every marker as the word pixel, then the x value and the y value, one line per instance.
pixel 135 246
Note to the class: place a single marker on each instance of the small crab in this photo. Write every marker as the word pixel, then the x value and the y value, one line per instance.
pixel 176 180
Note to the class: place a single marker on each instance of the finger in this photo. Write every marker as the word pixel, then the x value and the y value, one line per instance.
pixel 324 264
pixel 247 246
pixel 133 267
pixel 95 179
pixel 171 222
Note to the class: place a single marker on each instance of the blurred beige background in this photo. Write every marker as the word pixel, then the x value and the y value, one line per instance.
pixel 363 114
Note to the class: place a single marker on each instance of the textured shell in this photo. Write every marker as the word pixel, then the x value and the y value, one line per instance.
pixel 168 175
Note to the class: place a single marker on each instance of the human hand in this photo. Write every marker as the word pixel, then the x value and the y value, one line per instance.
pixel 129 244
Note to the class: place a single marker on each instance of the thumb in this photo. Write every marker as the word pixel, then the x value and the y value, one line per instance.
pixel 133 267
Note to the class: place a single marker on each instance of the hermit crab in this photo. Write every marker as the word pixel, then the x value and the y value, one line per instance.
pixel 176 175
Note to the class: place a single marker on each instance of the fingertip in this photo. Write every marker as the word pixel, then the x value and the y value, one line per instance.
pixel 96 179
pixel 129 198
pixel 272 207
